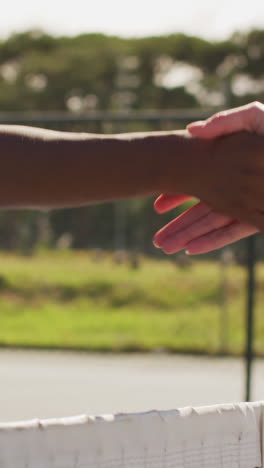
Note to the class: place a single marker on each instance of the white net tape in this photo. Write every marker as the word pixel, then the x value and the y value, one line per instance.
pixel 226 436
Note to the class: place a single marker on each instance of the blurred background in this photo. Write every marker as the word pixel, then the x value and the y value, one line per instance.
pixel 89 278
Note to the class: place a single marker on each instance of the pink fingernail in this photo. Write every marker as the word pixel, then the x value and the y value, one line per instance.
pixel 199 123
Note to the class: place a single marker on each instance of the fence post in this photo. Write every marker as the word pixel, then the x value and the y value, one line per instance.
pixel 251 286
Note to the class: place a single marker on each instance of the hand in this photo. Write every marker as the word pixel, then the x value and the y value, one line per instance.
pixel 201 229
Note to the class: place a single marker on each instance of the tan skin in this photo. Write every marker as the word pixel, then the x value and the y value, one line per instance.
pixel 46 169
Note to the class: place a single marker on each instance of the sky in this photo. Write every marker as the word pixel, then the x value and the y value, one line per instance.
pixel 211 19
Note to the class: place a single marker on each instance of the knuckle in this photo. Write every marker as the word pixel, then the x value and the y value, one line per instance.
pixel 220 115
pixel 257 115
pixel 257 105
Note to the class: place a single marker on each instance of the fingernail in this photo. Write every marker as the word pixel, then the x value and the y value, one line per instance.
pixel 199 123
pixel 155 244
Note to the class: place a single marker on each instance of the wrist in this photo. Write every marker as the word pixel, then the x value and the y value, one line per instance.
pixel 183 162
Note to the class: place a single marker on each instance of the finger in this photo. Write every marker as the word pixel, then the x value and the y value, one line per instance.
pixel 166 203
pixel 181 222
pixel 230 121
pixel 209 223
pixel 220 238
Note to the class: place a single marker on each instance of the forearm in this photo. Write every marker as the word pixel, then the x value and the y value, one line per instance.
pixel 46 169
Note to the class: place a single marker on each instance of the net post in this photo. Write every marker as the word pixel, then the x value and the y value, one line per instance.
pixel 251 286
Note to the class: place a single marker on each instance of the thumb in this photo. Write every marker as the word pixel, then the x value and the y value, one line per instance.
pixel 216 126
pixel 230 121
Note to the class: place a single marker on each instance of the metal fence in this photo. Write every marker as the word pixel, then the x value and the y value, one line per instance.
pixel 107 122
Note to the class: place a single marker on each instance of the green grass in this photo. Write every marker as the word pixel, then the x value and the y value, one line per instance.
pixel 72 300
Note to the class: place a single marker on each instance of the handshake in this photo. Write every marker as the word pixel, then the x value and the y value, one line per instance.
pixel 232 205
pixel 219 161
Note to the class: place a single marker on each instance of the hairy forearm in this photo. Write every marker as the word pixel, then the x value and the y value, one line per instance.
pixel 46 169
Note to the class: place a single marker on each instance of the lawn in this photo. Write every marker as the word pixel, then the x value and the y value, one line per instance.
pixel 80 300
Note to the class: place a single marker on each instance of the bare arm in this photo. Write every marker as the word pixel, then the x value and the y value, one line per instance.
pixel 47 169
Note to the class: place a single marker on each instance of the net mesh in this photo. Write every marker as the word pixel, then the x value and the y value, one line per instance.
pixel 225 436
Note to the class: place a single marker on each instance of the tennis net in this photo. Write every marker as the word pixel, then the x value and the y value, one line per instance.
pixel 224 436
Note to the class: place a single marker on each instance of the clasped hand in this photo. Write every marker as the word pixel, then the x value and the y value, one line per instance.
pixel 202 229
